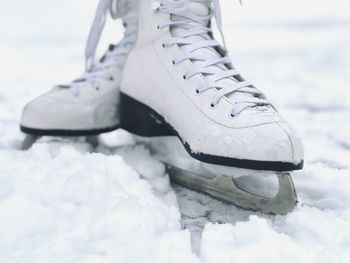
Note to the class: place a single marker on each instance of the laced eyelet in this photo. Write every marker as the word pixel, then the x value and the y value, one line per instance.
pixel 173 62
pixel 158 27
pixel 163 45
pixel 232 116
pixel 156 5
pixel 184 77
pixel 197 92
pixel 212 105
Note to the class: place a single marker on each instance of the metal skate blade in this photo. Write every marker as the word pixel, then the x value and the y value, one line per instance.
pixel 224 188
pixel 31 139
pixel 265 185
pixel 28 141
pixel 220 181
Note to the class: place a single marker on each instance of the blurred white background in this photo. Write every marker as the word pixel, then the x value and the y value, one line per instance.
pixel 42 43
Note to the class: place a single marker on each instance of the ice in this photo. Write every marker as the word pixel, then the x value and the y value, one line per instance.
pixel 61 202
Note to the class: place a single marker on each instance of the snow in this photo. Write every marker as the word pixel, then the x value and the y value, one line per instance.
pixel 257 241
pixel 62 205
pixel 61 202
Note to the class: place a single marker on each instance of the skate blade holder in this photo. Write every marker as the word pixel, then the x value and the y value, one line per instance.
pixel 224 188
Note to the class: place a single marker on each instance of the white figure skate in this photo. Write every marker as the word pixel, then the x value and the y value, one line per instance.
pixel 88 105
pixel 179 81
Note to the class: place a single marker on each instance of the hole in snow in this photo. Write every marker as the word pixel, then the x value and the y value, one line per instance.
pixel 258 184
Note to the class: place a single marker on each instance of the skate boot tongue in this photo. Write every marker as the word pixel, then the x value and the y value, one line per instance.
pixel 197 8
pixel 203 11
pixel 114 58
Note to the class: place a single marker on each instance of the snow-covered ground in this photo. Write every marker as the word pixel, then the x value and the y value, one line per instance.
pixel 59 202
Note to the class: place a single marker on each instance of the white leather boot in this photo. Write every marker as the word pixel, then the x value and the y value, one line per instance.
pixel 179 81
pixel 89 104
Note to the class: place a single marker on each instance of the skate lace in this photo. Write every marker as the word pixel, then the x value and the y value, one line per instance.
pixel 113 57
pixel 196 34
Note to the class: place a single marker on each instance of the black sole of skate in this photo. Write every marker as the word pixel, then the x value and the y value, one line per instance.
pixel 32 135
pixel 66 133
pixel 141 120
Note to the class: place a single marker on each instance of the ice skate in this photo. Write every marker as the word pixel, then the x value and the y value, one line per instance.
pixel 179 81
pixel 88 105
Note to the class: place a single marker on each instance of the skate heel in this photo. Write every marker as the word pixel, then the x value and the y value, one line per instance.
pixel 141 120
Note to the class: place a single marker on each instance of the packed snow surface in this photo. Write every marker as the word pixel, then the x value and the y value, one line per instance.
pixel 65 200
